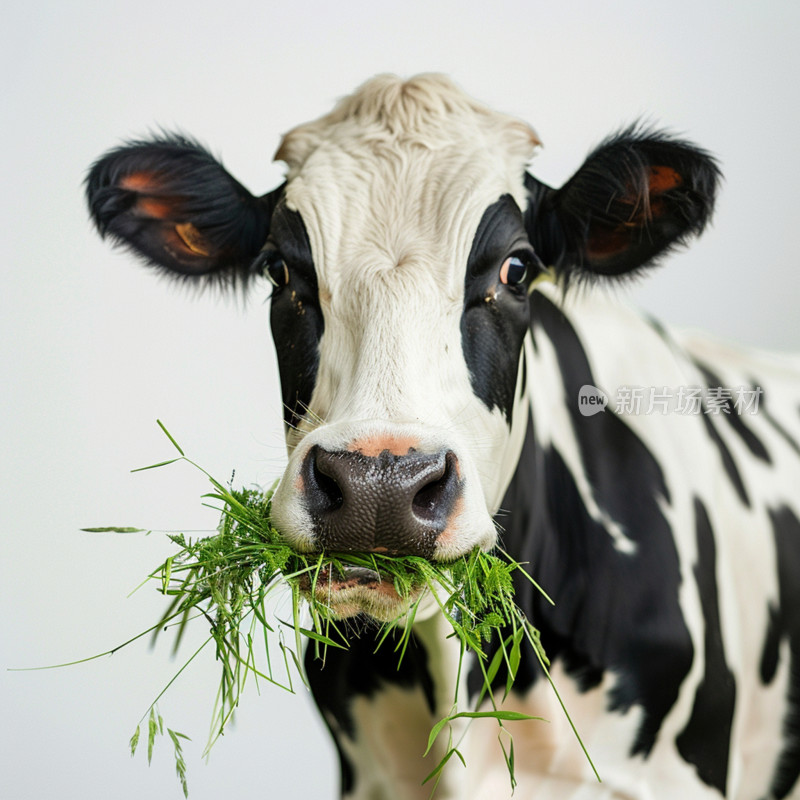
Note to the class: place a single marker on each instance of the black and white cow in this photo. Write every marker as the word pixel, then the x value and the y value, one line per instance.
pixel 433 385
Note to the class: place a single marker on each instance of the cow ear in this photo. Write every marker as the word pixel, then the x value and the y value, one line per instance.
pixel 176 206
pixel 638 195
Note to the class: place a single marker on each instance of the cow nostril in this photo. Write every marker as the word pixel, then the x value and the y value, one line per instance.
pixel 322 490
pixel 432 498
pixel 426 500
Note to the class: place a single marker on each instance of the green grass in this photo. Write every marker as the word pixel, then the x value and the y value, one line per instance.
pixel 226 579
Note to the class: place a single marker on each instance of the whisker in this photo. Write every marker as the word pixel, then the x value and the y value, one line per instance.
pixel 309 412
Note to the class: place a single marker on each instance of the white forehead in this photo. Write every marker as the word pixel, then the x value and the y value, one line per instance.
pixel 399 174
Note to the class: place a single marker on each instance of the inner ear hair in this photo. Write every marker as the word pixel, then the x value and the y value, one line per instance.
pixel 194 240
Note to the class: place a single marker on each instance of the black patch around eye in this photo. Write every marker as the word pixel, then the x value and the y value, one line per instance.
pixel 295 316
pixel 495 317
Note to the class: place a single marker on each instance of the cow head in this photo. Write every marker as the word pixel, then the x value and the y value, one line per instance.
pixel 402 250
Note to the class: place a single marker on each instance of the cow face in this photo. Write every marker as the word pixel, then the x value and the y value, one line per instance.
pixel 399 256
pixel 402 250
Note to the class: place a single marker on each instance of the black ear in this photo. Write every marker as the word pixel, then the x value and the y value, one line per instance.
pixel 175 205
pixel 639 194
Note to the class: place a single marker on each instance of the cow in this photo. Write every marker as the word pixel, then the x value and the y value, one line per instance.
pixel 448 355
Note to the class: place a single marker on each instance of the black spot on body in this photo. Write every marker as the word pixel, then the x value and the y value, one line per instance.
pixel 705 741
pixel 728 464
pixel 753 443
pixel 786 626
pixel 734 418
pixel 764 411
pixel 614 611
pixel 782 432
pixel 361 671
pixel 615 459
pixel 770 654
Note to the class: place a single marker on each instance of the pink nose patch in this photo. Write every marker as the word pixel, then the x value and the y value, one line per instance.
pixel 372 446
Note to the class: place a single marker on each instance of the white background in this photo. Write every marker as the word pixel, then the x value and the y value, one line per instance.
pixel 95 348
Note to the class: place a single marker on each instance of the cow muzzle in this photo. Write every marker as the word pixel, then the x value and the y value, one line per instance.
pixel 373 487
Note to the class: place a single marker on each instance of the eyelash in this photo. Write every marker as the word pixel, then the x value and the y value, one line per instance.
pixel 277 273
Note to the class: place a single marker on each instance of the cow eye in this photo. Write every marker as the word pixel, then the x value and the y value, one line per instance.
pixel 271 264
pixel 514 271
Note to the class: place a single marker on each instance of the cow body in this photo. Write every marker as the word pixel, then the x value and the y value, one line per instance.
pixel 431 383
pixel 650 530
